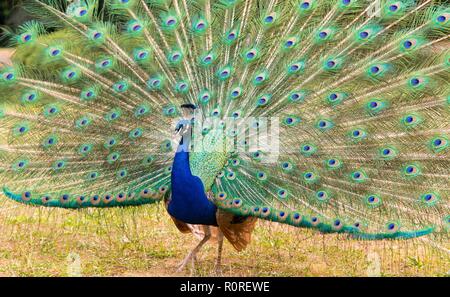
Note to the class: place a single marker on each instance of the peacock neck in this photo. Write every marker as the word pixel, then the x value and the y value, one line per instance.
pixel 185 142
pixel 189 203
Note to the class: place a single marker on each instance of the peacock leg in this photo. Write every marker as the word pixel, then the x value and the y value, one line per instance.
pixel 191 256
pixel 218 265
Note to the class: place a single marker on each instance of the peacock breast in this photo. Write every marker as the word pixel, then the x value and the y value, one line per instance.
pixel 206 165
pixel 208 156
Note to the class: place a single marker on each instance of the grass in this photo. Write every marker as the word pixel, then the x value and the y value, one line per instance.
pixel 143 241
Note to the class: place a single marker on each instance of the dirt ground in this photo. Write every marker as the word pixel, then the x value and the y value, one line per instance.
pixel 143 241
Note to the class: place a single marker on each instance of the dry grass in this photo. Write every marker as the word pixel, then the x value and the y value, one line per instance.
pixel 144 242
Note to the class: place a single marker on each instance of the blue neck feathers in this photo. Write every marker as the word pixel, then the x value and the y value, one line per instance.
pixel 189 203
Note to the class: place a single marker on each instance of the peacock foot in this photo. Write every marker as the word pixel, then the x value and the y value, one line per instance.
pixel 190 258
pixel 218 270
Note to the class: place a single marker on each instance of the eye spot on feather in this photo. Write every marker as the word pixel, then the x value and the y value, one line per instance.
pixel 411 171
pixel 120 197
pixel 358 176
pixel 315 221
pixel 162 189
pixel 22 129
pixel 322 196
pixel 64 198
pixel 308 149
pixel 392 227
pixel 237 203
pixel 80 199
pixel 438 144
pixel 256 210
pixel 407 44
pixel 20 165
pixel 200 26
pixel 142 55
pixel 261 176
pixel 231 176
pixel 265 211
pixel 374 69
pixel 221 196
pixel 107 198
pixel 441 18
pixel 106 63
pixel 26 196
pixel 324 124
pixel 282 215
pixel 50 141
pixel 207 59
pixel 268 19
pixel 82 12
pixel 429 199
pixel 26 37
pixel 296 218
pixel 282 193
pixel 310 177
pixel 337 225
pixel 122 173
pixel 137 27
pixel 393 7
pixel 8 76
pixel 55 52
pixel 363 34
pixel 305 5
pixel 95 199
pixel 92 176
pixel 113 157
pixel 136 133
pixel 373 201
pixel 45 199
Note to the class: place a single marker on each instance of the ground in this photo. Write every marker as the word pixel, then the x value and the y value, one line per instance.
pixel 143 241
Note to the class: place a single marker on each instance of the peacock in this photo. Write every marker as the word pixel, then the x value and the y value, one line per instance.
pixel 332 115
